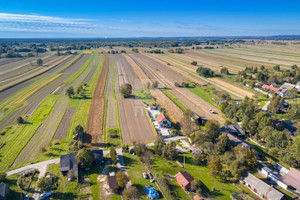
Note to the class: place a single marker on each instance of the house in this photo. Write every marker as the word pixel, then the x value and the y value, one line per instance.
pixel 283 92
pixel 289 127
pixel 235 141
pixel 163 121
pixel 268 87
pixel 154 106
pixel 184 179
pixel 98 156
pixel 233 129
pixel 261 188
pixel 292 179
pixel 4 191
pixel 197 119
pixel 68 165
pixel 112 183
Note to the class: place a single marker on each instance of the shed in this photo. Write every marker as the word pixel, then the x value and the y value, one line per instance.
pixel 266 171
pixel 261 188
pixel 68 164
pixel 184 179
pixel 4 191
pixel 112 183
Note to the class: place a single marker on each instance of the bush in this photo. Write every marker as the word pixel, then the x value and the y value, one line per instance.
pixel 85 158
pixel 206 72
pixel 194 63
pixel 46 183
pixel 131 193
pixel 2 177
pixel 126 90
pixel 122 179
pixel 20 120
pixel 177 84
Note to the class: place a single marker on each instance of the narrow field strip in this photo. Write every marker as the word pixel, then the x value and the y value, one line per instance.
pixel 63 127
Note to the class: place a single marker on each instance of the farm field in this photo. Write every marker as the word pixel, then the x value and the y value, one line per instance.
pixel 94 126
pixel 134 121
pixel 191 101
pixel 32 101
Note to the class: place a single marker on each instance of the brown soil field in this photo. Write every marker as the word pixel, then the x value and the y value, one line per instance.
pixel 134 121
pixel 165 60
pixel 174 112
pixel 111 113
pixel 225 60
pixel 192 69
pixel 94 126
pixel 189 99
pixel 215 65
pixel 63 127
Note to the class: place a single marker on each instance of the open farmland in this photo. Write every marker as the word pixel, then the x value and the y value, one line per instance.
pixel 168 77
pixel 94 127
pixel 134 121
pixel 32 101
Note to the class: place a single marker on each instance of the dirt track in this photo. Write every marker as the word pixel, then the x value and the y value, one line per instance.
pixel 94 126
pixel 134 122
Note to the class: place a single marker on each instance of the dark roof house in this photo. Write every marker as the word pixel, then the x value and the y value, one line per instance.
pixel 261 188
pixel 112 183
pixel 184 179
pixel 235 141
pixel 68 163
pixel 233 129
pixel 4 191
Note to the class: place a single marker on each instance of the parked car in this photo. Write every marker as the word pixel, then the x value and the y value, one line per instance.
pixel 45 195
pixel 26 197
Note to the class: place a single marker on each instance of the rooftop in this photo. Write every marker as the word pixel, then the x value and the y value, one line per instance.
pixel 292 178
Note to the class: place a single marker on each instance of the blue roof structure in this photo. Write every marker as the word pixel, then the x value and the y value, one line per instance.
pixel 151 192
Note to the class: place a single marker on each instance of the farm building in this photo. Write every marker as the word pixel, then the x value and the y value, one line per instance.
pixel 112 183
pixel 235 141
pixel 4 191
pixel 151 192
pixel 268 87
pixel 261 188
pixel 163 121
pixel 68 165
pixel 154 106
pixel 233 129
pixel 292 179
pixel 184 179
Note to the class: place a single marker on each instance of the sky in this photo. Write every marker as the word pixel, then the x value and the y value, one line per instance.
pixel 132 18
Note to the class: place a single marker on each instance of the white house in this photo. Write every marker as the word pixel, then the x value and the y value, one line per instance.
pixel 163 121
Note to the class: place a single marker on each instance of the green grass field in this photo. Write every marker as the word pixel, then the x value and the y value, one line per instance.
pixel 174 99
pixel 205 93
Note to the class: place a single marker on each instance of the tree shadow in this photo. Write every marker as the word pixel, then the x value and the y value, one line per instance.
pixel 128 161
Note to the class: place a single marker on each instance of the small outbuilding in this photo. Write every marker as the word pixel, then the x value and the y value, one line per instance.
pixel 4 191
pixel 112 183
pixel 184 179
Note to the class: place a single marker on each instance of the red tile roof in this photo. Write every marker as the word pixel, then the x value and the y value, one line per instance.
pixel 292 178
pixel 184 179
pixel 160 117
pixel 270 87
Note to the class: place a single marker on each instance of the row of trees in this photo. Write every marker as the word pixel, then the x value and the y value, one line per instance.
pixel 206 72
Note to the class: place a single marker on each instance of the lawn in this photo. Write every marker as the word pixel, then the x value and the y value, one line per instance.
pixel 174 99
pixel 65 189
pixel 144 98
pixel 135 168
pixel 205 93
pixel 223 189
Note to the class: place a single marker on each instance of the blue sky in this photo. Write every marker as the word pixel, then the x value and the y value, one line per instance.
pixel 96 18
